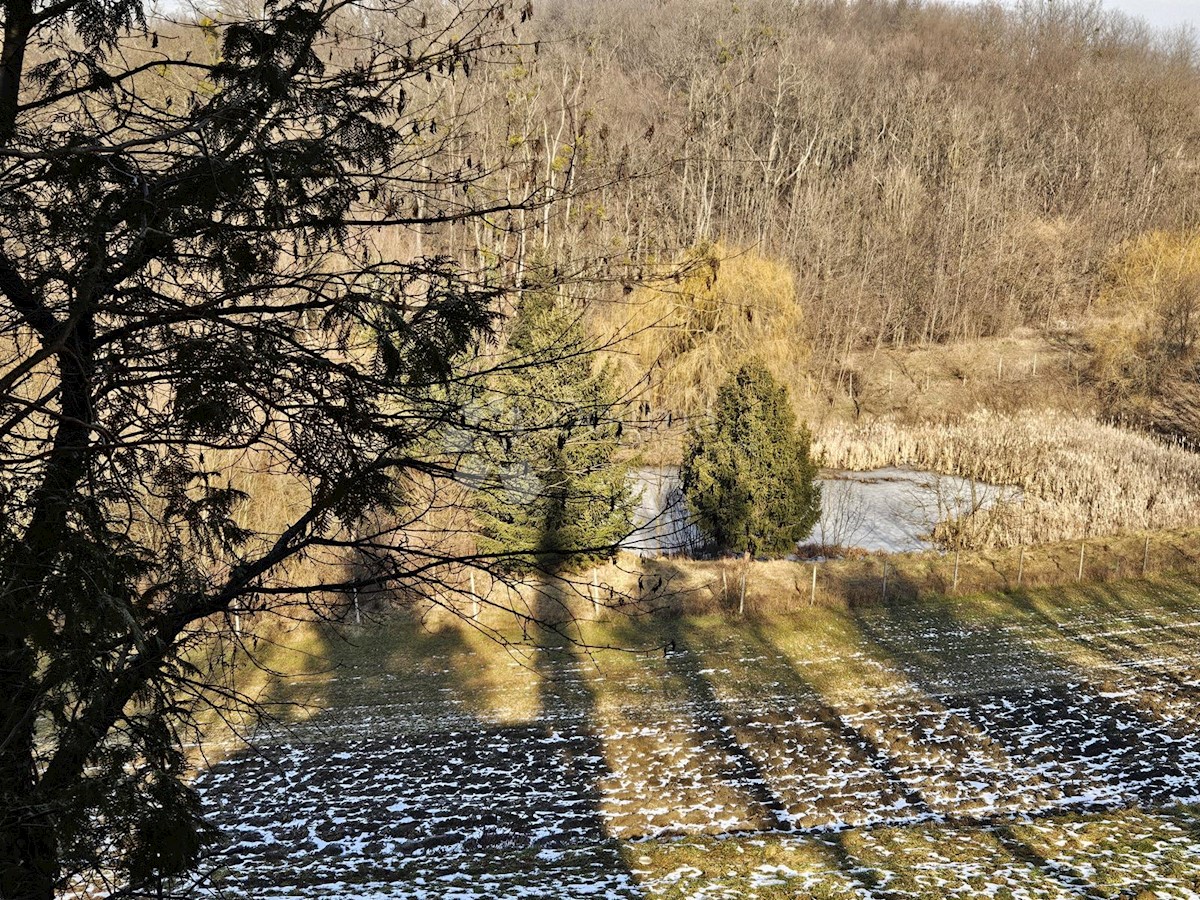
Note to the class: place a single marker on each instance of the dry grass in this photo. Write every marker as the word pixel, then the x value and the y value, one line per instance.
pixel 637 590
pixel 786 588
pixel 1080 478
pixel 1026 370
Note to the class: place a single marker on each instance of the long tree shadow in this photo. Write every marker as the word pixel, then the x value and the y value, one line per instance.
pixel 789 732
pixel 1089 749
pixel 802 759
pixel 569 709
pixel 676 768
pixel 1153 652
pixel 940 759
pixel 845 739
pixel 407 780
pixel 740 767
pixel 1044 710
pixel 1023 851
pixel 853 868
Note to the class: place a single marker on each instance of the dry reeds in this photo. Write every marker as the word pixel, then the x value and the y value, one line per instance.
pixel 1080 478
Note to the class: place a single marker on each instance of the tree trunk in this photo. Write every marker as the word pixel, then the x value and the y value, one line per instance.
pixel 28 857
pixel 17 27
pixel 745 569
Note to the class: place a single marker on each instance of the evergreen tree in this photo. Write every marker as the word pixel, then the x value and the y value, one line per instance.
pixel 747 474
pixel 552 492
pixel 191 237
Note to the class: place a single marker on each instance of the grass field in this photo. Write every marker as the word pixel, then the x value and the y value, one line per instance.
pixel 1042 744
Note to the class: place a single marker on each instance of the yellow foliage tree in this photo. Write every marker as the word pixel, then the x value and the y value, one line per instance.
pixel 723 306
pixel 1155 278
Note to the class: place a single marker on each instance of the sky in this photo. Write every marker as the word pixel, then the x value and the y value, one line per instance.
pixel 1161 13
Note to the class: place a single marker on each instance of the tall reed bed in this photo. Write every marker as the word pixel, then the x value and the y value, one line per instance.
pixel 1080 478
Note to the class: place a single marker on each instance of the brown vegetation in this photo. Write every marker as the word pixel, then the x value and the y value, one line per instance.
pixel 1029 370
pixel 1080 478
pixel 863 176
pixel 1143 347
pixel 675 587
pixel 928 172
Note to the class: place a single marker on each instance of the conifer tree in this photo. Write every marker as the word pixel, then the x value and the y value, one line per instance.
pixel 193 232
pixel 552 487
pixel 747 473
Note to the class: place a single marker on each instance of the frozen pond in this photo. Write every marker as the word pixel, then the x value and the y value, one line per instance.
pixel 891 510
pixel 894 510
pixel 662 517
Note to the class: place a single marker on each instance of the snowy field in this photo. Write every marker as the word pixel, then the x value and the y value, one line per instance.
pixel 1043 746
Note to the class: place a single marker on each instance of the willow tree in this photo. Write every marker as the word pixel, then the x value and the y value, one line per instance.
pixel 205 294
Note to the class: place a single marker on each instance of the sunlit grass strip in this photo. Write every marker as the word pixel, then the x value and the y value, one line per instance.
pixel 1126 854
pixel 769 868
pixel 1119 854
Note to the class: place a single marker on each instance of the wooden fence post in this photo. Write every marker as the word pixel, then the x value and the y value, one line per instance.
pixel 745 569
pixel 1079 574
pixel 1020 565
pixel 1146 556
pixel 956 552
pixel 885 574
pixel 812 600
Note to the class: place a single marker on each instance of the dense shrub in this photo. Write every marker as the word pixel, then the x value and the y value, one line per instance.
pixel 747 473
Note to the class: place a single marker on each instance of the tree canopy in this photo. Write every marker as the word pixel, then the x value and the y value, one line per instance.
pixel 747 474
pixel 552 488
pixel 230 348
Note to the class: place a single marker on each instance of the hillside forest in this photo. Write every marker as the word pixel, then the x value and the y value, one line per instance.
pixel 966 238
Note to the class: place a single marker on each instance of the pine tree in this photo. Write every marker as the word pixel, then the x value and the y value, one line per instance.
pixel 552 492
pixel 747 474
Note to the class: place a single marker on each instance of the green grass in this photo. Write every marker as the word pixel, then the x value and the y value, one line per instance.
pixel 1123 854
